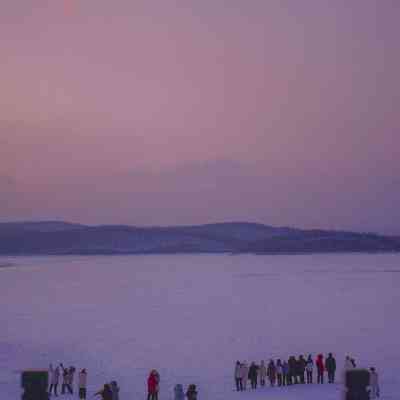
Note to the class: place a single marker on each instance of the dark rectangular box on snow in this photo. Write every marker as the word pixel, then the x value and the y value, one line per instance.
pixel 357 382
pixel 35 384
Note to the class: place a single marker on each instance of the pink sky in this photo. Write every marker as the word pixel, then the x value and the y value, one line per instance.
pixel 284 112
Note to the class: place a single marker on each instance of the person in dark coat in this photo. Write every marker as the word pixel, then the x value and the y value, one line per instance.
pixel 253 372
pixel 105 393
pixel 330 365
pixel 292 370
pixel 301 368
pixel 271 372
pixel 285 373
pixel 191 392
pixel 320 368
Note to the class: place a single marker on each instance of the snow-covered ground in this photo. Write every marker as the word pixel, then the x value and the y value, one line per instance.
pixel 192 317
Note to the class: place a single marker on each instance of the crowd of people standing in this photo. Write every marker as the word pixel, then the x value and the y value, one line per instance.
pixel 296 371
pixel 285 372
pixel 288 372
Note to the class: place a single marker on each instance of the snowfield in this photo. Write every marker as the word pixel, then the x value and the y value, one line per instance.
pixel 192 316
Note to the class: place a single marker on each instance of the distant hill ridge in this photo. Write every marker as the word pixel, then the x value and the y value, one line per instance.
pixel 63 238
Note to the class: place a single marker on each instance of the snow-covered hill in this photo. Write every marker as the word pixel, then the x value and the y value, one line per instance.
pixel 63 238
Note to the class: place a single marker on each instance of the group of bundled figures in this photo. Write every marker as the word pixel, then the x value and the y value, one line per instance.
pixel 295 371
pixel 153 387
pixel 110 390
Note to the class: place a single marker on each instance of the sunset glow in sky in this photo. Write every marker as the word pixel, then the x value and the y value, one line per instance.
pixel 150 112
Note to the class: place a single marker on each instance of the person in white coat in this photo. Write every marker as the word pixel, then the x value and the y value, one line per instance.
pixel 238 376
pixel 348 366
pixel 262 373
pixel 373 384
pixel 82 383
pixel 54 375
pixel 244 372
pixel 349 363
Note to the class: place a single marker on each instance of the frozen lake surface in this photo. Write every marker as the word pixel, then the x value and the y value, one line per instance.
pixel 192 316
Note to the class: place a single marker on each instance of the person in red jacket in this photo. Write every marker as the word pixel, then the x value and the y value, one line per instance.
pixel 319 363
pixel 152 386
